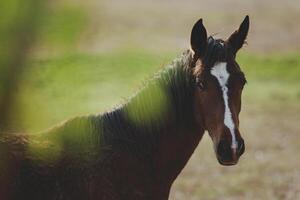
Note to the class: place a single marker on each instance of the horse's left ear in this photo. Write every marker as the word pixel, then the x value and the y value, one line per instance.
pixel 237 39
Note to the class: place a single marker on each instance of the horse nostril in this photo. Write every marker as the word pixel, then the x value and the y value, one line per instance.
pixel 241 147
pixel 220 148
pixel 224 150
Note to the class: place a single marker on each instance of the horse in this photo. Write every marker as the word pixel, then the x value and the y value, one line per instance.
pixel 138 149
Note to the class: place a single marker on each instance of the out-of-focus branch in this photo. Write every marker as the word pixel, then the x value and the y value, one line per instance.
pixel 17 32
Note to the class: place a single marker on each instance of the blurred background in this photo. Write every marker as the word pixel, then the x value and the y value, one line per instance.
pixel 60 59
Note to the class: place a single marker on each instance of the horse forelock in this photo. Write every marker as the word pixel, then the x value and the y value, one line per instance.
pixel 217 51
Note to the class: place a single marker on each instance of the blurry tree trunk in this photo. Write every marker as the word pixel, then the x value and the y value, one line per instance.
pixel 18 24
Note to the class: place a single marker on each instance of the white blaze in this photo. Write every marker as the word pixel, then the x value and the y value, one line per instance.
pixel 220 72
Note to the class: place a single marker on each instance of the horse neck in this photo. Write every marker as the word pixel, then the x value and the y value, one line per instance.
pixel 175 146
pixel 162 117
pixel 174 150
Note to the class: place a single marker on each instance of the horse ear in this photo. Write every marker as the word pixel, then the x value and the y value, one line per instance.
pixel 199 39
pixel 237 39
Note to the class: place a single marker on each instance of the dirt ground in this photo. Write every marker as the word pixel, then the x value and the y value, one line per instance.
pixel 269 169
pixel 166 24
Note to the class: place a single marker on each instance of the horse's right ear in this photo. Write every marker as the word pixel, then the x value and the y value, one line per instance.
pixel 199 39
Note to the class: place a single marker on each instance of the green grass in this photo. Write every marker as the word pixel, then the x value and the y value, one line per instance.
pixel 272 67
pixel 272 79
pixel 58 88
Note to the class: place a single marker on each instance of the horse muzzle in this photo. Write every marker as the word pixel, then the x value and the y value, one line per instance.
pixel 227 154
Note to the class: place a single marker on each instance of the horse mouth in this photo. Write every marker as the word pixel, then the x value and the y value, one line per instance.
pixel 227 162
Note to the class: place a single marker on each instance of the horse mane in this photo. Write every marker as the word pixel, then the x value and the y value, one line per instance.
pixel 166 98
pixel 137 124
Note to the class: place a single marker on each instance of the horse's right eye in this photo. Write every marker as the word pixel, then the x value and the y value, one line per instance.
pixel 200 83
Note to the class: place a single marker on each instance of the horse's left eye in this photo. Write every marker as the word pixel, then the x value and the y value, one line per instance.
pixel 243 80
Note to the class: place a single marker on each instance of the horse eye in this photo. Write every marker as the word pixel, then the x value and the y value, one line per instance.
pixel 200 83
pixel 243 81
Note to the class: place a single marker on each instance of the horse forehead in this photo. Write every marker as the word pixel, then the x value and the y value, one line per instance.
pixel 219 70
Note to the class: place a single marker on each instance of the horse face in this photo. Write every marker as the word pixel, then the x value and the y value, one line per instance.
pixel 218 100
pixel 220 82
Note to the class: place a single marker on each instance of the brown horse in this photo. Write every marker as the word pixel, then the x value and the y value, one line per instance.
pixel 137 150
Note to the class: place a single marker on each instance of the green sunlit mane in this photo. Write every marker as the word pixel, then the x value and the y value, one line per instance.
pixel 155 101
pixel 165 99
